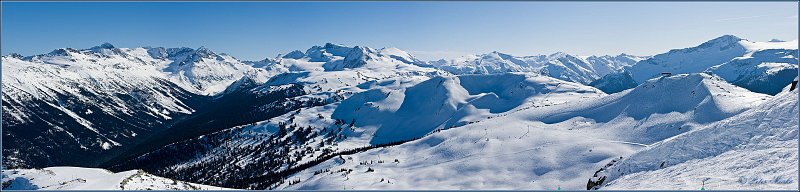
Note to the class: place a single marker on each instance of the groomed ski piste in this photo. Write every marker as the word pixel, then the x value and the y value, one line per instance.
pixel 78 178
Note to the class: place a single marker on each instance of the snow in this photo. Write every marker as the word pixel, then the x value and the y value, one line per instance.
pixel 445 102
pixel 757 46
pixel 43 77
pixel 697 59
pixel 754 150
pixel 403 108
pixel 97 76
pixel 78 178
pixel 324 72
pixel 207 72
pixel 542 147
pixel 490 121
pixel 689 60
pixel 767 70
pixel 106 145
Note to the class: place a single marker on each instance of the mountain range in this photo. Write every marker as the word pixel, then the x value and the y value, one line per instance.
pixel 764 67
pixel 342 117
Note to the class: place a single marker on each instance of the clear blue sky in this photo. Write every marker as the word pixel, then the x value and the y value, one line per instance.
pixel 255 30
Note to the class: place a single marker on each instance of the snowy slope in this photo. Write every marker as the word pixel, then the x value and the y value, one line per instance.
pixel 756 149
pixel 384 111
pixel 444 102
pixel 102 72
pixel 664 107
pixel 82 100
pixel 541 147
pixel 77 178
pixel 558 65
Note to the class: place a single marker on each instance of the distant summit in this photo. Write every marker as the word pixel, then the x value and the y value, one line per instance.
pixel 776 40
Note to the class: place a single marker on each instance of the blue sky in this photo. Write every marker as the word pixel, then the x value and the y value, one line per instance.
pixel 430 30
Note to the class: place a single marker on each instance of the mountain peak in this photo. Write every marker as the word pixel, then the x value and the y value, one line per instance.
pixel 105 48
pixel 332 45
pixel 334 49
pixel 776 40
pixel 102 46
pixel 626 55
pixel 204 52
pixel 725 39
pixel 105 45
pixel 728 37
pixel 559 54
pixel 203 49
pixel 13 55
pixel 498 54
pixel 296 54
pixel 62 52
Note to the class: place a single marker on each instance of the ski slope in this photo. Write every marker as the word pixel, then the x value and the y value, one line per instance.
pixel 755 150
pixel 78 178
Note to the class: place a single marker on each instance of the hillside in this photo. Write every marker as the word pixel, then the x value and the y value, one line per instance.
pixel 542 147
pixel 76 178
pixel 754 150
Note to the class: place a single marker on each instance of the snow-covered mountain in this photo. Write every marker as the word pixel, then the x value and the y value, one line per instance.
pixel 337 57
pixel 558 65
pixel 764 71
pixel 82 102
pixel 690 60
pixel 201 69
pixel 542 147
pixel 94 101
pixel 754 150
pixel 608 64
pixel 77 178
pixel 764 67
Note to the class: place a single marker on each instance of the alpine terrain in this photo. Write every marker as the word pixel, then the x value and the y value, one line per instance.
pixel 721 115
